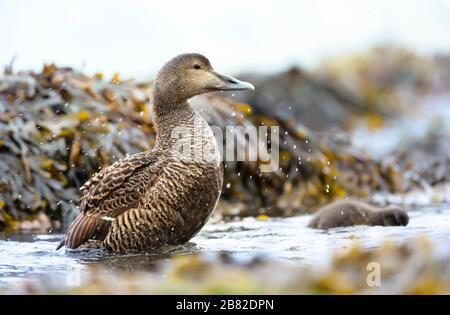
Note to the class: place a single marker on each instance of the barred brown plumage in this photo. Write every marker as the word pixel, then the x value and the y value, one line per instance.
pixel 156 198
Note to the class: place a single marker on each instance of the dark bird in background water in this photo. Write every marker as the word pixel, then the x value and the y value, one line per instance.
pixel 351 212
pixel 164 196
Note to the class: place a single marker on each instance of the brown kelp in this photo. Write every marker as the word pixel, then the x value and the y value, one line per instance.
pixel 59 126
pixel 371 87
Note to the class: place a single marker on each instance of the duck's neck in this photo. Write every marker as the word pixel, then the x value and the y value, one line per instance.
pixel 172 118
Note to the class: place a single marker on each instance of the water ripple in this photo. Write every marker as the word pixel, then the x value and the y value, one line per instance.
pixel 28 257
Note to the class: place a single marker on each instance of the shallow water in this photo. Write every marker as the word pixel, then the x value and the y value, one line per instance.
pixel 32 258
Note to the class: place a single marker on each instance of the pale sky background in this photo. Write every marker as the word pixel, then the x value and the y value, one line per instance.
pixel 135 37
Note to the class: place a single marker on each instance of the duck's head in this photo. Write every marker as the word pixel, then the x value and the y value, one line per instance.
pixel 188 75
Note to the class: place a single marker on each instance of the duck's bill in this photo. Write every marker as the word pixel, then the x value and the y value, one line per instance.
pixel 228 83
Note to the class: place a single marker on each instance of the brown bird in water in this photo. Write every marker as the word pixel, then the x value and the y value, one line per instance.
pixel 351 212
pixel 164 196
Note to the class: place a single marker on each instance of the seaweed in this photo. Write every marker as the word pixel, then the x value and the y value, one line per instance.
pixel 59 126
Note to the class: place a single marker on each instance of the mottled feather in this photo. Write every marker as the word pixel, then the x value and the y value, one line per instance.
pixel 112 177
pixel 110 193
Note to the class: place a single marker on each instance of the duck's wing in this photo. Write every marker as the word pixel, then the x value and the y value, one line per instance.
pixel 109 193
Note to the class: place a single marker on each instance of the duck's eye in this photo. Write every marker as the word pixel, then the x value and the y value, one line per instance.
pixel 197 67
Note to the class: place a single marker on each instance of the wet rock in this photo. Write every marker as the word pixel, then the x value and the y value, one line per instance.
pixel 303 98
pixel 429 157
pixel 39 224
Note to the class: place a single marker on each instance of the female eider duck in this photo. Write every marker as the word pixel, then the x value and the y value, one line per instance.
pixel 162 197
pixel 350 212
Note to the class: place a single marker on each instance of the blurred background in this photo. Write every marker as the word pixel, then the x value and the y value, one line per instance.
pixel 359 89
pixel 238 36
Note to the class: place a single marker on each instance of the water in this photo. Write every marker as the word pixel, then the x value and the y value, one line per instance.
pixel 26 258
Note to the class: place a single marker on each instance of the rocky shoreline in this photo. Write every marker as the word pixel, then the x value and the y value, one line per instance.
pixel 59 126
